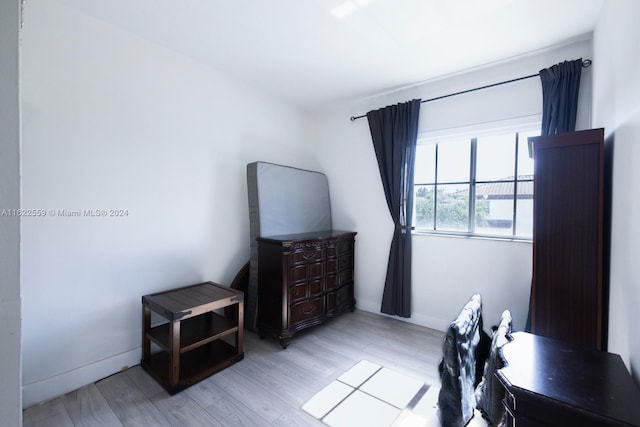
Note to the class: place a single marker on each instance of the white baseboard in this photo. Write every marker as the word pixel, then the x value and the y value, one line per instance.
pixel 50 388
pixel 416 318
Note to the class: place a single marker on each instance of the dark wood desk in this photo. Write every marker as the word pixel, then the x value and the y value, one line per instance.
pixel 194 341
pixel 553 383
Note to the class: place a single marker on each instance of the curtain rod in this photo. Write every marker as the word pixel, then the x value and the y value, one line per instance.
pixel 585 64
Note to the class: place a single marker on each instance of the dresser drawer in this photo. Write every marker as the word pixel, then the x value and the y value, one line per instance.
pixel 339 298
pixel 339 248
pixel 316 287
pixel 306 289
pixel 344 277
pixel 298 292
pixel 339 279
pixel 340 263
pixel 305 272
pixel 509 401
pixel 331 282
pixel 310 256
pixel 345 262
pixel 306 310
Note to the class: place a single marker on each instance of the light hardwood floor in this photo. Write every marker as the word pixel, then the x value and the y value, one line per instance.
pixel 267 388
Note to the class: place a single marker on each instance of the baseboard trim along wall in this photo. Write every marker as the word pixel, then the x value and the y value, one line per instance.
pixel 52 387
pixel 416 318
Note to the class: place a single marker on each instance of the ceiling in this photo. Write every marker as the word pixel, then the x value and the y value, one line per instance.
pixel 313 53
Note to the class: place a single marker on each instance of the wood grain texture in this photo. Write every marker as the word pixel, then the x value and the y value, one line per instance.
pixel 304 279
pixel 567 292
pixel 267 388
pixel 88 407
pixel 52 413
pixel 554 383
pixel 129 403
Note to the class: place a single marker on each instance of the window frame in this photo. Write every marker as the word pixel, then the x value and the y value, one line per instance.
pixel 473 133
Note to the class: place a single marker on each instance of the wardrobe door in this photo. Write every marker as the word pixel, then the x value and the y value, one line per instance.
pixel 567 292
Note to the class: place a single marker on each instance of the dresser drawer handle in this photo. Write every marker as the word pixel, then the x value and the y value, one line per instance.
pixel 309 311
pixel 309 255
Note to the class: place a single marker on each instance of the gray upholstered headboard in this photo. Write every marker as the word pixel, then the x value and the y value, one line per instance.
pixel 282 200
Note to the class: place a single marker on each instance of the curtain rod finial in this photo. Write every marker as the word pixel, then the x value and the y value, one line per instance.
pixel 586 63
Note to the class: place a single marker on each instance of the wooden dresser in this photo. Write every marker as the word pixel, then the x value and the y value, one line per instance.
pixel 554 383
pixel 303 279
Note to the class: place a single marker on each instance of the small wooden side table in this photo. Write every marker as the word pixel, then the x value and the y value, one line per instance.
pixel 195 342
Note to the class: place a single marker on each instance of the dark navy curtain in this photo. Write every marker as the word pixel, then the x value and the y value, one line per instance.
pixel 560 87
pixel 394 131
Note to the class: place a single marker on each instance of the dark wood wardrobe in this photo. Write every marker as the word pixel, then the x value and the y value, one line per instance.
pixel 567 295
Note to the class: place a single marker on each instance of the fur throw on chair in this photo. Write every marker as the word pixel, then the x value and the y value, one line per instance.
pixel 489 393
pixel 464 351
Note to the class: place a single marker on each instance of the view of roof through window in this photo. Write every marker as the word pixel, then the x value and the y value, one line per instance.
pixel 475 185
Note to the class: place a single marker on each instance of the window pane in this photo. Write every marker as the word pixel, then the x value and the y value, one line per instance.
pixel 524 209
pixel 423 205
pixel 446 166
pixel 525 163
pixel 452 208
pixel 425 164
pixel 495 157
pixel 494 208
pixel 453 161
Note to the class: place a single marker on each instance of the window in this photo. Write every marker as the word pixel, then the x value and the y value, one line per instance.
pixel 480 185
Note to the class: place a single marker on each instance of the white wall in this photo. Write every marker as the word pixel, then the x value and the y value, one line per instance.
pixel 446 270
pixel 111 121
pixel 10 372
pixel 616 107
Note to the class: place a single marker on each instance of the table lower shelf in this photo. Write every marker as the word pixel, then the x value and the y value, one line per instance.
pixel 195 365
pixel 194 332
